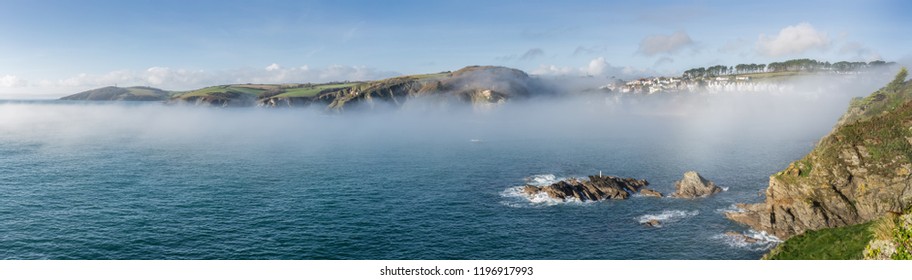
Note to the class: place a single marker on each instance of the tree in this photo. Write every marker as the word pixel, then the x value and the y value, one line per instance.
pixel 899 80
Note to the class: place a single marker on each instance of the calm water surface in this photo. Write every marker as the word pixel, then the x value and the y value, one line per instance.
pixel 127 181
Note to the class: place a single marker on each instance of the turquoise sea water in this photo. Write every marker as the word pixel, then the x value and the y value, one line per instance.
pixel 146 181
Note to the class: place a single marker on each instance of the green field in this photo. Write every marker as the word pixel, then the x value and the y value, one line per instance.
pixel 773 76
pixel 311 91
pixel 142 91
pixel 428 76
pixel 842 243
pixel 245 89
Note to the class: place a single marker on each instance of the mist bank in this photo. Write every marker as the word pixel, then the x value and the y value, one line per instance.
pixel 810 108
pixel 479 87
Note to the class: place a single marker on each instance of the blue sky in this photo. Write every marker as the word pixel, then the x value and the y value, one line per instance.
pixel 52 48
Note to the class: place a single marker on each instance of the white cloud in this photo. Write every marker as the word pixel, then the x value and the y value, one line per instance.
pixel 554 70
pixel 656 44
pixel 858 51
pixel 793 40
pixel 663 60
pixel 734 46
pixel 596 67
pixel 581 50
pixel 532 54
pixel 11 81
pixel 185 79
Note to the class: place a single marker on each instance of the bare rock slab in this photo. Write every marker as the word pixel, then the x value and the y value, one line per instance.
pixel 693 185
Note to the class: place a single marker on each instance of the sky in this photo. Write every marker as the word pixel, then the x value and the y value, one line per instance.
pixel 54 48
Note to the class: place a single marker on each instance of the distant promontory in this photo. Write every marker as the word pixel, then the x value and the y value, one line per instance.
pixel 477 85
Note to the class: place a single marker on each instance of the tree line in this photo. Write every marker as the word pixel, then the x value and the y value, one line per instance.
pixel 800 65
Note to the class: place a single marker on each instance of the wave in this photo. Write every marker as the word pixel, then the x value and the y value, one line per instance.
pixel 751 240
pixel 732 208
pixel 519 199
pixel 667 216
pixel 542 180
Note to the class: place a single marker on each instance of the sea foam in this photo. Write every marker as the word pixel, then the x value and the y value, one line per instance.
pixel 667 216
pixel 751 240
pixel 519 199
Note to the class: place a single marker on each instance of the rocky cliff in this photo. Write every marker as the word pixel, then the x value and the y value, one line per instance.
pixel 858 172
pixel 477 85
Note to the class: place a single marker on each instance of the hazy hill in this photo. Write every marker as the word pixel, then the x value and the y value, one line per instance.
pixel 477 85
pixel 121 94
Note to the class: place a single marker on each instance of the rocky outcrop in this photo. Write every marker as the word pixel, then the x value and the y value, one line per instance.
pixel 693 185
pixel 741 237
pixel 858 172
pixel 649 192
pixel 596 188
pixel 476 85
pixel 217 99
pixel 652 223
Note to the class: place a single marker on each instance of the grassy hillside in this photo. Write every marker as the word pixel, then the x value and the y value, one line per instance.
pixel 472 85
pixel 312 90
pixel 889 237
pixel 844 243
pixel 121 94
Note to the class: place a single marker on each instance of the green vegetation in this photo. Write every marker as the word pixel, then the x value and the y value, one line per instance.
pixel 874 134
pixel 878 137
pixel 121 94
pixel 892 238
pixel 146 91
pixel 788 66
pixel 227 90
pixel 313 90
pixel 429 76
pixel 843 243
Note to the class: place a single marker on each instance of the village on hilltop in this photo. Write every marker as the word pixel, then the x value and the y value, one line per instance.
pixel 740 78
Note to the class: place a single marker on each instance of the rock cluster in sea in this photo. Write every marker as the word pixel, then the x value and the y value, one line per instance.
pixel 595 188
pixel 693 185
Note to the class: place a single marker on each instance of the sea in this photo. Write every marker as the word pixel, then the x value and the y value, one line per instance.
pixel 134 180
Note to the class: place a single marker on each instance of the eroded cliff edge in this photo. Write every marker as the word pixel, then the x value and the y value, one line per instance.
pixel 858 172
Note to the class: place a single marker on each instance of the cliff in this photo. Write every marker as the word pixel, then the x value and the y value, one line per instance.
pixel 477 85
pixel 857 173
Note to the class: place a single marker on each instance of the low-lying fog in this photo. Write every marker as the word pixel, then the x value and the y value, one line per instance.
pixel 810 107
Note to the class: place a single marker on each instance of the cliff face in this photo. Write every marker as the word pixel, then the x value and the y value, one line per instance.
pixel 477 85
pixel 858 172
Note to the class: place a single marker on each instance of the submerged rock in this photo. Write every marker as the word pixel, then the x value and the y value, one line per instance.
pixel 693 185
pixel 650 192
pixel 742 237
pixel 652 223
pixel 596 188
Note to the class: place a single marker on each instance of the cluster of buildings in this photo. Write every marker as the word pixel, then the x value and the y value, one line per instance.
pixel 654 85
